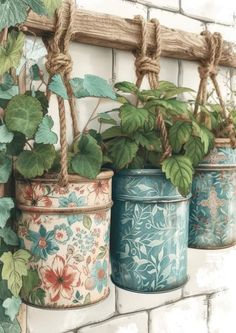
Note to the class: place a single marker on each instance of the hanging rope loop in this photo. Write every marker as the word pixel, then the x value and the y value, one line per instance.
pixel 148 63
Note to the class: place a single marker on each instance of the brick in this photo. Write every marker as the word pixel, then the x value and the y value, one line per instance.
pixel 137 323
pixel 211 11
pixel 165 4
pixel 114 7
pixel 188 315
pixel 222 310
pixel 130 302
pixel 210 271
pixel 189 76
pixel 58 321
pixel 228 33
pixel 177 21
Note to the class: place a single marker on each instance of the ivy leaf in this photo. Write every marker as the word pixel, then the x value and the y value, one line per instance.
pixel 16 146
pixel 148 140
pixel 105 118
pixel 30 282
pixel 5 167
pixel 126 87
pixel 6 205
pixel 122 151
pixel 92 86
pixel 38 297
pixel 44 133
pixel 179 134
pixel 57 86
pixel 51 6
pixel 23 114
pixel 6 325
pixel 194 149
pixel 10 55
pixel 87 161
pixel 12 306
pixel 14 267
pixel 180 172
pixel 9 236
pixel 7 82
pixel 87 222
pixel 4 292
pixel 33 163
pixel 132 118
pixel 5 135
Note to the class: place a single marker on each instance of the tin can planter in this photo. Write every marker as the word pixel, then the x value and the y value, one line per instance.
pixel 213 205
pixel 149 232
pixel 67 231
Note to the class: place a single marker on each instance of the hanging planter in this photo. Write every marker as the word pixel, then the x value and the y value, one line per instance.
pixel 149 233
pixel 67 232
pixel 212 222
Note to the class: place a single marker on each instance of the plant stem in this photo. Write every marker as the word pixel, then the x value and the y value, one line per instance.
pixel 92 115
pixel 4 36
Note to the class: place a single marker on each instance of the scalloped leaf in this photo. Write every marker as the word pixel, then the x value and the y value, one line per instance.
pixel 180 172
pixel 122 151
pixel 149 140
pixel 133 118
pixel 12 306
pixel 57 86
pixel 5 167
pixel 9 236
pixel 179 134
pixel 126 87
pixel 23 114
pixel 5 135
pixel 207 138
pixel 194 149
pixel 44 133
pixel 6 205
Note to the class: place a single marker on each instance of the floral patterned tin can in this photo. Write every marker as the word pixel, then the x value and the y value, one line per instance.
pixel 212 222
pixel 67 231
pixel 149 232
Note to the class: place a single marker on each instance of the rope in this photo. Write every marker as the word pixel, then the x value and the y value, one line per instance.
pixel 148 63
pixel 209 69
pixel 59 62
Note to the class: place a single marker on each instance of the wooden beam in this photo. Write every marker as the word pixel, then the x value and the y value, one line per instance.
pixel 124 34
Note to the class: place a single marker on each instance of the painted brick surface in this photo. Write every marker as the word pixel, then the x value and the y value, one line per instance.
pixel 137 323
pixel 189 315
pixel 228 33
pixel 165 4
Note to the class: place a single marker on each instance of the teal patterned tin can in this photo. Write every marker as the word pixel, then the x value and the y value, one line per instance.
pixel 149 232
pixel 213 205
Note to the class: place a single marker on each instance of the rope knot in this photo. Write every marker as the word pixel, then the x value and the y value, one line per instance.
pixel 59 63
pixel 145 65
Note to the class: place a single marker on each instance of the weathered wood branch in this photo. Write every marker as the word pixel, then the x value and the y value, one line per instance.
pixel 124 34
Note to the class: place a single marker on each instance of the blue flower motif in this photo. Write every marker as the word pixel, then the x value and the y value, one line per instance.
pixel 62 233
pixel 99 273
pixel 72 201
pixel 43 243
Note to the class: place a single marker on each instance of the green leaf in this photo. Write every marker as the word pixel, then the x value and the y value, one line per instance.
pixel 148 140
pixel 122 151
pixel 207 138
pixel 6 325
pixel 166 90
pixel 9 236
pixel 137 163
pixel 10 54
pixel 88 161
pixel 6 95
pixel 154 158
pixel 5 167
pixel 30 282
pixel 92 86
pixel 112 132
pixel 194 149
pixel 126 87
pixel 34 163
pixel 51 6
pixel 87 222
pixel 41 97
pixel 5 135
pixel 14 267
pixel 173 105
pixel 57 86
pixel 6 204
pixel 179 134
pixel 38 297
pixel 7 82
pixel 4 291
pixel 132 118
pixel 105 118
pixel 35 72
pixel 180 172
pixel 37 6
pixel 12 306
pixel 15 147
pixel 23 114
pixel 44 133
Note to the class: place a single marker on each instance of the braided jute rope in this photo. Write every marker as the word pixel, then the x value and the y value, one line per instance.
pixel 209 69
pixel 59 62
pixel 148 63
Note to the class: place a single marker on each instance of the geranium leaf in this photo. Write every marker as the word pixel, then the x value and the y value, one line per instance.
pixel 41 97
pixel 126 87
pixel 10 54
pixel 194 149
pixel 180 172
pixel 77 85
pixel 148 140
pixel 9 236
pixel 174 106
pixel 57 86
pixel 14 267
pixel 16 146
pixel 207 138
pixel 33 163
pixel 122 151
pixel 51 6
pixel 179 134
pixel 12 306
pixel 132 118
pixel 88 161
pixel 112 132
pixel 6 205
pixel 5 135
pixel 5 167
pixel 44 133
pixel 23 114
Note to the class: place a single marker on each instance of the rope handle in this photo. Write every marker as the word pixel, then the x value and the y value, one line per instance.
pixel 148 63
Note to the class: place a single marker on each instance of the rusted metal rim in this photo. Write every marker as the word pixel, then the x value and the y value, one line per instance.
pixel 53 178
pixel 69 211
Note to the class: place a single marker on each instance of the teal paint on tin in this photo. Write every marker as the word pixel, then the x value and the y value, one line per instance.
pixel 149 232
pixel 213 204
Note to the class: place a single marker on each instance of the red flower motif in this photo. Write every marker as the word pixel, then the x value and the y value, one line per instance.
pixel 60 279
pixel 35 194
pixel 101 187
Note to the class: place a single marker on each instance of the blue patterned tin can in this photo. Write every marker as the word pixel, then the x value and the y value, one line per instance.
pixel 213 205
pixel 149 232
